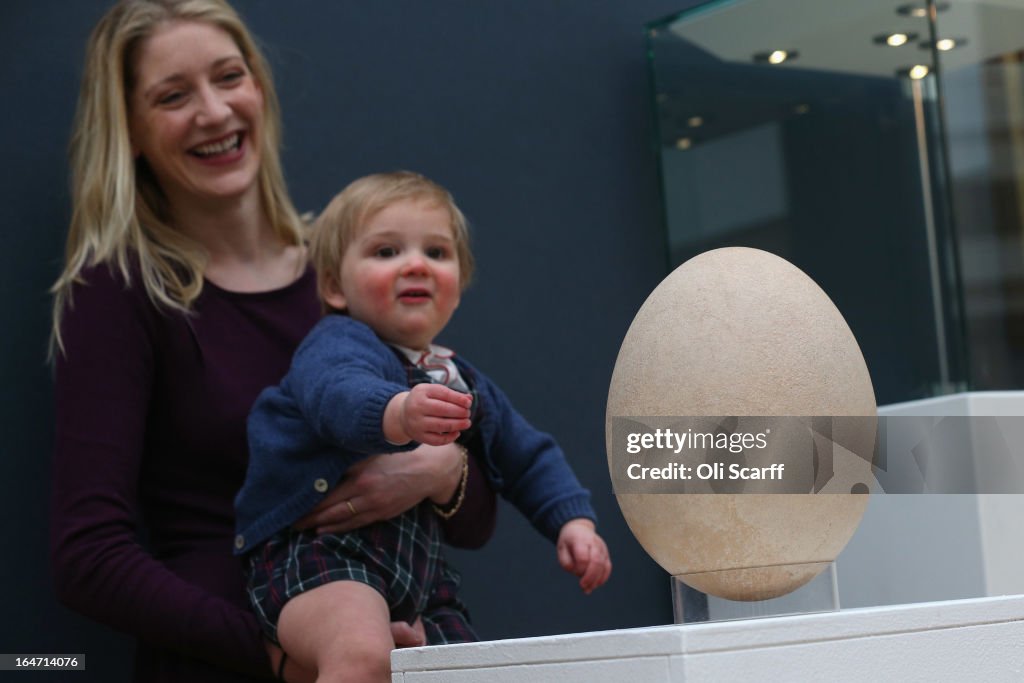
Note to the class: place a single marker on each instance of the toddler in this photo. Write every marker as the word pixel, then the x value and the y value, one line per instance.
pixel 392 257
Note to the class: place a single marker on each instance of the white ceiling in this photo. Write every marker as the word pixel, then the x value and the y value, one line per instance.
pixel 837 35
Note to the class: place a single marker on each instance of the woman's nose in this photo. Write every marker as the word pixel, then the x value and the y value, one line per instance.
pixel 213 108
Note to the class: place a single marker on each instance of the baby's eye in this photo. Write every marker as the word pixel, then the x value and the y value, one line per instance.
pixel 385 252
pixel 438 253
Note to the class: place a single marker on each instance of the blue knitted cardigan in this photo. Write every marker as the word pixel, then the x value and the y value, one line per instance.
pixel 326 415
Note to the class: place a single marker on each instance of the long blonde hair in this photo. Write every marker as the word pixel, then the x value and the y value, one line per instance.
pixel 119 214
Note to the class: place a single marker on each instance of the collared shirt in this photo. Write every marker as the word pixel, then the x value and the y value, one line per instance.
pixel 438 363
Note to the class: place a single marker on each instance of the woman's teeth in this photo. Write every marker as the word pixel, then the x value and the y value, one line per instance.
pixel 226 145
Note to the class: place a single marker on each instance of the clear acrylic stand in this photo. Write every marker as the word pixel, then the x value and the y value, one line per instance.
pixel 820 594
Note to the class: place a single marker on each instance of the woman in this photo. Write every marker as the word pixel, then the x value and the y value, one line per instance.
pixel 184 293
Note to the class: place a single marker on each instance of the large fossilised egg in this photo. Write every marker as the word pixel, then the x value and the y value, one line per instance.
pixel 741 332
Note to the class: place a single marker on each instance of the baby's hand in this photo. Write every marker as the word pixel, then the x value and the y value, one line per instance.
pixel 583 553
pixel 434 414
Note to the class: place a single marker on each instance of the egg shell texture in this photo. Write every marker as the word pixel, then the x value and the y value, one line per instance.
pixel 736 332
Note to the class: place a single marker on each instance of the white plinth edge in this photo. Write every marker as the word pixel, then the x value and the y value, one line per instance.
pixel 962 640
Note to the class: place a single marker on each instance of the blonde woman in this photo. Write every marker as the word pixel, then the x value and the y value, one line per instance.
pixel 185 291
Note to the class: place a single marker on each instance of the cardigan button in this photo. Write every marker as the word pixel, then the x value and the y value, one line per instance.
pixel 239 541
pixel 320 485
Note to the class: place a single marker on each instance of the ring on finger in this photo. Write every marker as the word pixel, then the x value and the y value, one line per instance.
pixel 351 508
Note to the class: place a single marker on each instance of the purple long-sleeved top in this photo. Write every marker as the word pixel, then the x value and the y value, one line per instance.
pixel 150 435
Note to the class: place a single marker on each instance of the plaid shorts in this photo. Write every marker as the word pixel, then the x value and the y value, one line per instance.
pixel 400 558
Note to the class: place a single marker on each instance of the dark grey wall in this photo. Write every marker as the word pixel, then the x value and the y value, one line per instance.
pixel 535 113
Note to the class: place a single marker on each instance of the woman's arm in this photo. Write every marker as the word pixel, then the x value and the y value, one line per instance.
pixel 473 523
pixel 102 392
pixel 385 486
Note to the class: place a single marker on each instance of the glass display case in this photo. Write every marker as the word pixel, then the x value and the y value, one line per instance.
pixel 878 146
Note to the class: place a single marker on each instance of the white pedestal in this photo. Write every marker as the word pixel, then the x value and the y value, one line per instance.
pixel 924 547
pixel 963 640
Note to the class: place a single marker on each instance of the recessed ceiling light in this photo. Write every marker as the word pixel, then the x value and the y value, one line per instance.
pixel 695 121
pixel 684 143
pixel 776 56
pixel 920 11
pixel 916 72
pixel 895 39
pixel 944 44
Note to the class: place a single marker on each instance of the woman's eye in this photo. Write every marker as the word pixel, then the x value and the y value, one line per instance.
pixel 170 98
pixel 233 76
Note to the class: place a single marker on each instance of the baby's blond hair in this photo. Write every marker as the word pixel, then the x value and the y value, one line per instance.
pixel 350 210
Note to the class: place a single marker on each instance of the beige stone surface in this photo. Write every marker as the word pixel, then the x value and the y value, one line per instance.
pixel 737 332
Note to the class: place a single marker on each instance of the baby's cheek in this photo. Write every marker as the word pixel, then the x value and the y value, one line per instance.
pixel 377 289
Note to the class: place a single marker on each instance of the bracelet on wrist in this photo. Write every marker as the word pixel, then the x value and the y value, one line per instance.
pixel 448 511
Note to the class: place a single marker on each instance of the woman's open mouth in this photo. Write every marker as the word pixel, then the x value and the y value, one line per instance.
pixel 227 145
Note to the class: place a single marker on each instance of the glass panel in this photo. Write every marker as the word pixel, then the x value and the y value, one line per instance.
pixel 796 128
pixel 982 86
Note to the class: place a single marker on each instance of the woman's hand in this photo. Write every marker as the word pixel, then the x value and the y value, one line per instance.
pixel 385 486
pixel 292 671
pixel 405 635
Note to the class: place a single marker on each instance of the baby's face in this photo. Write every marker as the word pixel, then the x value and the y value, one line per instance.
pixel 401 274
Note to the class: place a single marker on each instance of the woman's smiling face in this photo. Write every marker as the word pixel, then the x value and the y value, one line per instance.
pixel 196 113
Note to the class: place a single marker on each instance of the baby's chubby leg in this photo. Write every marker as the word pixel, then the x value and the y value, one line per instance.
pixel 341 629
